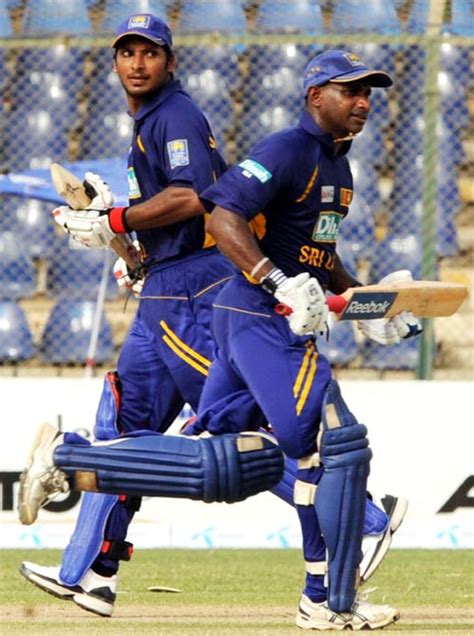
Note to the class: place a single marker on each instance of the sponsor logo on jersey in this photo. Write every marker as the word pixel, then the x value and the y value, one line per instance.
pixel 368 305
pixel 327 227
pixel 345 197
pixel 139 22
pixel 252 168
pixel 327 194
pixel 133 187
pixel 178 152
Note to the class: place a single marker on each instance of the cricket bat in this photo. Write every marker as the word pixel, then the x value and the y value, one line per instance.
pixel 78 195
pixel 425 298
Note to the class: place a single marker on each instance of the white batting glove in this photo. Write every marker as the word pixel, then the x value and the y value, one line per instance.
pixel 92 228
pixel 132 283
pixel 104 198
pixel 306 300
pixel 387 331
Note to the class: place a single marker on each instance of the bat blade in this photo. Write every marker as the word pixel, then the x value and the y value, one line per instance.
pixel 426 299
pixel 74 192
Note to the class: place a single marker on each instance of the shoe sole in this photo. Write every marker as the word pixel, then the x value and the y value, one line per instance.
pixel 85 601
pixel 327 626
pixel 396 519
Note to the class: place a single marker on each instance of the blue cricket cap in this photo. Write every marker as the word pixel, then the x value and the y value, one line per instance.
pixel 146 26
pixel 341 67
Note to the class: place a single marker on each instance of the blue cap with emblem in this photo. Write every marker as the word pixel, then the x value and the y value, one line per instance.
pixel 341 67
pixel 146 26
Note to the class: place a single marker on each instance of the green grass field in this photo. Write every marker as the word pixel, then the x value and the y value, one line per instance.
pixel 226 592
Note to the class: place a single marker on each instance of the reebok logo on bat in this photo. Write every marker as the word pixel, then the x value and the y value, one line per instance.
pixel 368 308
pixel 368 305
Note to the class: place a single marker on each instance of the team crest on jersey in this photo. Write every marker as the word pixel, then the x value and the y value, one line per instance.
pixel 327 227
pixel 327 194
pixel 133 187
pixel 178 152
pixel 252 168
pixel 139 22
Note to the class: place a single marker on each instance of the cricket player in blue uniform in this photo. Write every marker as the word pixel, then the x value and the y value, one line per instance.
pixel 311 374
pixel 167 354
pixel 297 183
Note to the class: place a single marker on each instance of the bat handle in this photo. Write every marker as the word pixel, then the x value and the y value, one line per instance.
pixel 335 303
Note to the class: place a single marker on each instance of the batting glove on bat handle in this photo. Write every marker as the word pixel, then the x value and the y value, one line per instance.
pixel 334 303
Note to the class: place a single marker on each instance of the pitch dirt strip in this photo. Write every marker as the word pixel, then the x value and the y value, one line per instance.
pixel 439 618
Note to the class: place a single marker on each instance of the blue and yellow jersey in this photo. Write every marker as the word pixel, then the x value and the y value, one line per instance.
pixel 298 190
pixel 172 145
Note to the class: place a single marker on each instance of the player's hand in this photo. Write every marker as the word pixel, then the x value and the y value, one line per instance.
pixel 304 296
pixel 104 198
pixel 132 281
pixel 391 331
pixel 93 228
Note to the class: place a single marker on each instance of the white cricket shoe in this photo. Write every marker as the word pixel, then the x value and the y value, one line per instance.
pixel 41 478
pixel 319 616
pixel 375 547
pixel 94 592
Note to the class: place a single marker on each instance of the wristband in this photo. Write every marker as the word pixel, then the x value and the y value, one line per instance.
pixel 258 266
pixel 273 280
pixel 118 222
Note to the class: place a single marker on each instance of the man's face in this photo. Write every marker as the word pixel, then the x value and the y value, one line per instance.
pixel 142 66
pixel 342 108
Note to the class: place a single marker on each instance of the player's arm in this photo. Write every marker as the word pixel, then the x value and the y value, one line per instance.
pixel 171 205
pixel 236 241
pixel 340 278
pixel 301 294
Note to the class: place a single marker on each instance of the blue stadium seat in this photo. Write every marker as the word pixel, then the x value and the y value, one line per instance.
pixel 17 272
pixel 257 123
pixel 374 16
pixel 221 58
pixel 106 135
pixel 418 16
pixel 50 79
pixel 209 90
pixel 75 272
pixel 116 11
pixel 45 17
pixel 16 341
pixel 366 183
pixel 409 139
pixel 462 18
pixel 341 348
pixel 406 204
pixel 294 16
pixel 456 61
pixel 225 16
pixel 358 228
pixel 379 56
pixel 395 253
pixel 346 250
pixel 403 356
pixel 452 93
pixel 31 221
pixel 6 29
pixel 369 145
pixel 34 138
pixel 66 336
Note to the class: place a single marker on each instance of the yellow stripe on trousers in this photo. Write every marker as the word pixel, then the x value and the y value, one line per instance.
pixel 183 351
pixel 305 378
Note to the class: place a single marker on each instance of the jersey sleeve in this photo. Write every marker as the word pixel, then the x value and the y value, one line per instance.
pixel 187 152
pixel 248 187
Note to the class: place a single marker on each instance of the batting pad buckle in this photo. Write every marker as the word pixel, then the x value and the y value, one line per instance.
pixel 117 550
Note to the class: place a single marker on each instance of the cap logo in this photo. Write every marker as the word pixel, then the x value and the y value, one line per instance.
pixel 353 59
pixel 139 22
